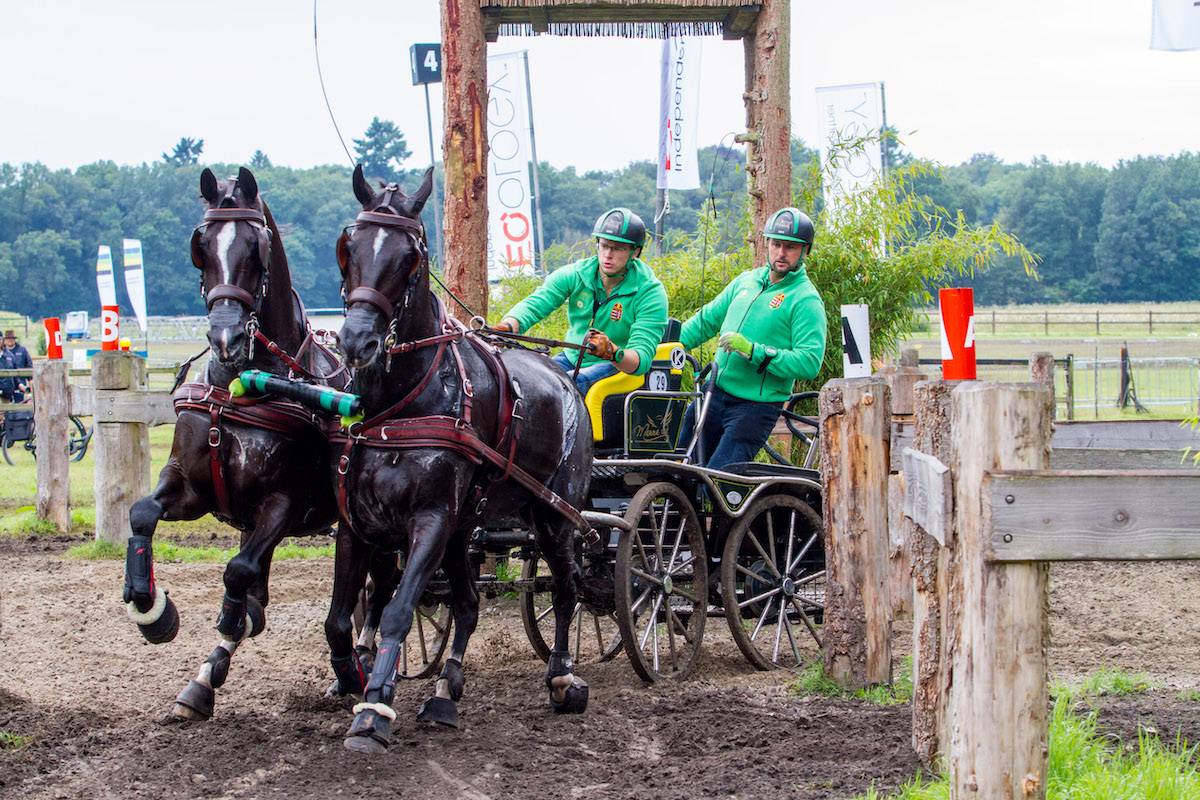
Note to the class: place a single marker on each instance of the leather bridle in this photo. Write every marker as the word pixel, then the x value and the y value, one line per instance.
pixel 385 215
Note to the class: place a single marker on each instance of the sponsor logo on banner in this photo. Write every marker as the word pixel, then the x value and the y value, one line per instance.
pixel 104 276
pixel 679 105
pixel 135 280
pixel 510 207
pixel 777 300
pixel 845 114
pixel 615 314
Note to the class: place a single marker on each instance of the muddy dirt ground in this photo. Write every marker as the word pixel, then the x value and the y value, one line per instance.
pixel 76 676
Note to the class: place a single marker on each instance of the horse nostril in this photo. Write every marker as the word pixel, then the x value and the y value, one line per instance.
pixel 370 349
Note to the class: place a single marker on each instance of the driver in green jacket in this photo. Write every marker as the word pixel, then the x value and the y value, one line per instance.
pixel 772 328
pixel 616 306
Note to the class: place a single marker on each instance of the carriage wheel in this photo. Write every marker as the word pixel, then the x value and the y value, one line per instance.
pixel 78 438
pixel 594 635
pixel 774 559
pixel 19 452
pixel 421 651
pixel 662 583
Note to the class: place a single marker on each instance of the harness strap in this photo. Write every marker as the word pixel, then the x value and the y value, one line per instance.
pixel 365 294
pixel 216 471
pixel 227 291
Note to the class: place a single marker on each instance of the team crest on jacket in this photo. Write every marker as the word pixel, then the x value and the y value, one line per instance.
pixel 777 300
pixel 615 314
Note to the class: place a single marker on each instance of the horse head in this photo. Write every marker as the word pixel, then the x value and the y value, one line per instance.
pixel 232 249
pixel 385 268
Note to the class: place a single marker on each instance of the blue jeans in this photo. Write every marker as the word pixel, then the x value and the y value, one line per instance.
pixel 734 430
pixel 587 375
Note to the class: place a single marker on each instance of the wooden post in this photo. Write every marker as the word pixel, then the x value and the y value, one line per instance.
pixel 900 589
pixel 901 381
pixel 855 444
pixel 122 447
pixel 1041 370
pixel 998 680
pixel 932 567
pixel 465 149
pixel 768 117
pixel 50 422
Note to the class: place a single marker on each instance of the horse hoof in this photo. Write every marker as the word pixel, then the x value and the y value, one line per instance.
pixel 364 744
pixel 440 710
pixel 163 629
pixel 195 702
pixel 257 615
pixel 574 700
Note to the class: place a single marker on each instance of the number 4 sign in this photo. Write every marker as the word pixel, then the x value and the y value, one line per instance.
pixel 426 63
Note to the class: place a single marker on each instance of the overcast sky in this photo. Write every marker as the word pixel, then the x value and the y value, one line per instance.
pixel 125 79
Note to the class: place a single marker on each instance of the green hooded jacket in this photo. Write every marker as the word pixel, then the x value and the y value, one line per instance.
pixel 784 321
pixel 634 316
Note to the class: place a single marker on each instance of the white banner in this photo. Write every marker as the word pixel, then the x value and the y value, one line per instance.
pixel 844 114
pixel 510 211
pixel 135 279
pixel 104 277
pixel 1176 25
pixel 678 112
pixel 856 341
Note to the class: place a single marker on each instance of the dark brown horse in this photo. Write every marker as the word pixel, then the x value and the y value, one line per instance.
pixel 413 476
pixel 258 465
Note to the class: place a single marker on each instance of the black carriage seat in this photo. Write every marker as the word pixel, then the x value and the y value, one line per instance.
pixel 605 400
pixel 756 469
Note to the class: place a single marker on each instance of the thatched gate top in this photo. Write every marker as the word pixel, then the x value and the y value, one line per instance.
pixel 642 20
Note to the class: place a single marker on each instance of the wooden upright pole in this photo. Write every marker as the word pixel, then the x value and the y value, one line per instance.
pixel 122 446
pixel 50 422
pixel 932 566
pixel 464 151
pixel 768 134
pixel 855 455
pixel 998 661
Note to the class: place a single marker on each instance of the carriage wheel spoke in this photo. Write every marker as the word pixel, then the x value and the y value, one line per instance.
pixel 576 622
pixel 748 573
pixel 803 550
pixel 779 631
pixel 810 578
pixel 652 623
pixel 421 637
pixel 787 559
pixel 633 610
pixel 678 540
pixel 687 562
pixel 637 538
pixel 763 596
pixel 687 594
pixel 599 634
pixel 671 637
pixel 808 623
pixel 683 631
pixel 542 614
pixel 770 536
pixel 787 624
pixel 646 576
pixel 660 530
pixel 762 618
pixel 757 546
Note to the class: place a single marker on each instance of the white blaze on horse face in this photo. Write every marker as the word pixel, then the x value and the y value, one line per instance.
pixel 379 237
pixel 224 241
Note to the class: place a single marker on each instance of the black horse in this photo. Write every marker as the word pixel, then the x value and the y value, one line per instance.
pixel 258 465
pixel 414 476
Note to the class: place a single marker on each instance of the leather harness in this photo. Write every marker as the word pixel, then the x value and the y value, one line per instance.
pixel 388 430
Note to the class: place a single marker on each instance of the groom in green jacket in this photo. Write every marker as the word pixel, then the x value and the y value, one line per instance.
pixel 617 308
pixel 772 327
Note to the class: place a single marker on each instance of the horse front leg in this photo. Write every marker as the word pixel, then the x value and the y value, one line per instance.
pixel 556 539
pixel 464 605
pixel 351 558
pixel 242 614
pixel 371 730
pixel 385 577
pixel 146 602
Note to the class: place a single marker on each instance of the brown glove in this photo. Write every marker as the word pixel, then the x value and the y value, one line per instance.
pixel 601 346
pixel 505 325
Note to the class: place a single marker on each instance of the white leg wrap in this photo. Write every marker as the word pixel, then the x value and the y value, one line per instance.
pixel 382 709
pixel 151 616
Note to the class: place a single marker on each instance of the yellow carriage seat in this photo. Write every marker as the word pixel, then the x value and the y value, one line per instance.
pixel 605 400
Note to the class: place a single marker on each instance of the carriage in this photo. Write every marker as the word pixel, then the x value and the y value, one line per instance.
pixel 683 542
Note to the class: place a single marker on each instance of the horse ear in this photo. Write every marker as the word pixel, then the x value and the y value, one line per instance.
pixel 413 204
pixel 197 253
pixel 208 186
pixel 362 189
pixel 248 185
pixel 343 251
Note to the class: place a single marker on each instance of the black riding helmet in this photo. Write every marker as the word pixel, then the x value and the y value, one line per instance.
pixel 790 225
pixel 621 225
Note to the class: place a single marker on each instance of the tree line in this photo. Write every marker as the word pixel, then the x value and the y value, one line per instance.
pixel 1120 234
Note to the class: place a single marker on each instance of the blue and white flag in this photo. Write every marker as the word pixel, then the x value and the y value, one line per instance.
pixel 135 280
pixel 104 277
